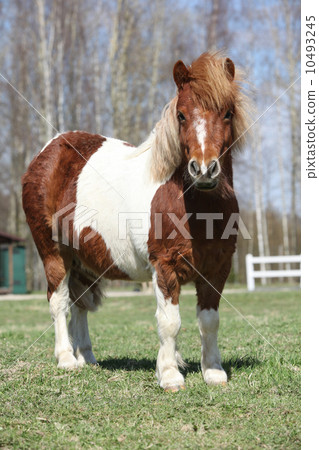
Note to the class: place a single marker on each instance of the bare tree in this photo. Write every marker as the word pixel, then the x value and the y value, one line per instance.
pixel 44 63
pixel 156 50
pixel 108 69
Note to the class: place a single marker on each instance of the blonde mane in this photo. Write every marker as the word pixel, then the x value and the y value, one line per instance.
pixel 214 90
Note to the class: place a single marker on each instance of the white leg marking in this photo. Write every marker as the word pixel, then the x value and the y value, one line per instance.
pixel 79 331
pixel 169 323
pixel 208 321
pixel 59 308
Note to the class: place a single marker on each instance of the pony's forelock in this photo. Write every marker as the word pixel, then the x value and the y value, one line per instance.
pixel 215 91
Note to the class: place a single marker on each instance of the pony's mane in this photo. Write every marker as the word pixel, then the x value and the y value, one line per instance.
pixel 210 83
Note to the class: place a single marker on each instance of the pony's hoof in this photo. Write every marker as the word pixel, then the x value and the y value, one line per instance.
pixel 171 380
pixel 215 376
pixel 86 357
pixel 67 361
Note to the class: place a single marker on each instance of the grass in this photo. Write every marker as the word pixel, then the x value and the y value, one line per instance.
pixel 119 404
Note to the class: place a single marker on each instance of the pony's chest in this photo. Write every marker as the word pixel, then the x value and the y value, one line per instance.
pixel 189 238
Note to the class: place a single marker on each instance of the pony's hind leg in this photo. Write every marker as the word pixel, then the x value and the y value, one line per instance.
pixel 79 332
pixel 59 309
pixel 169 323
pixel 208 321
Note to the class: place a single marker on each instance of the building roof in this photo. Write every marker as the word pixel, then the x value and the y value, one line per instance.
pixel 6 238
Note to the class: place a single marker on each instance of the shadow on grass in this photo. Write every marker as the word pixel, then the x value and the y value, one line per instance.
pixel 132 364
pixel 237 363
pixel 129 364
pixel 228 365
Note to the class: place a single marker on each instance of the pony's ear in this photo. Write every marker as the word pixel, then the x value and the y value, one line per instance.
pixel 181 74
pixel 229 68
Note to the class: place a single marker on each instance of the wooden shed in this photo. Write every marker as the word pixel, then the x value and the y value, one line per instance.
pixel 12 264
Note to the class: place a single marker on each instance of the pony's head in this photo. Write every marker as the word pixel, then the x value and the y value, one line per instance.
pixel 205 119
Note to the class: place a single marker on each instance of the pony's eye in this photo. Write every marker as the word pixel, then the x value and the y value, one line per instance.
pixel 228 115
pixel 180 117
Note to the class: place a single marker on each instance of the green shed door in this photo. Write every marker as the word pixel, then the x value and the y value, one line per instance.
pixel 19 278
pixel 4 267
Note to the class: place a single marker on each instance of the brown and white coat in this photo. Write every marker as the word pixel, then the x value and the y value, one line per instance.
pixel 118 212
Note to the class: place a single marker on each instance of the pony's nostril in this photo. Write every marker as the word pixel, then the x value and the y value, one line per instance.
pixel 194 168
pixel 214 169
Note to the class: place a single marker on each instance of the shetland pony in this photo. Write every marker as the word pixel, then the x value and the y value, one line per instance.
pixel 99 209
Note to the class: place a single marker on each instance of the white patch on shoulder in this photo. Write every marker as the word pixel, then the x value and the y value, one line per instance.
pixel 48 143
pixel 129 178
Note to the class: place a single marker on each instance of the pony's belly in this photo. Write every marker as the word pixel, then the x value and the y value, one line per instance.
pixel 128 252
pixel 130 259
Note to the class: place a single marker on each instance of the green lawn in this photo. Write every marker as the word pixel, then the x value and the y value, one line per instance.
pixel 119 404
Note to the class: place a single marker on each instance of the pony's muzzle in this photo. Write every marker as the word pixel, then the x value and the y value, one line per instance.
pixel 205 177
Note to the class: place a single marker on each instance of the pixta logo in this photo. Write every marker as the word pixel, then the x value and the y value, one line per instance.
pixel 62 219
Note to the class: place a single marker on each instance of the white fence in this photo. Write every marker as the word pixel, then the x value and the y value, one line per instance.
pixel 252 274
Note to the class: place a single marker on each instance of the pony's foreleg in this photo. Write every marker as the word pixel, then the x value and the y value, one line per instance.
pixel 169 323
pixel 79 331
pixel 208 321
pixel 59 309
